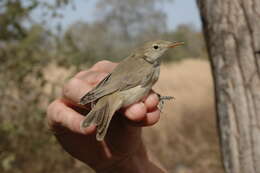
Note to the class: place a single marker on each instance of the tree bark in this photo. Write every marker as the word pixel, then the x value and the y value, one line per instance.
pixel 232 34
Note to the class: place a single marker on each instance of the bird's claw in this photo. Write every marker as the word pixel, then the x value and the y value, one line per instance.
pixel 162 99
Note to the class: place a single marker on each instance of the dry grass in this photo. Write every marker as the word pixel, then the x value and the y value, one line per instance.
pixel 185 140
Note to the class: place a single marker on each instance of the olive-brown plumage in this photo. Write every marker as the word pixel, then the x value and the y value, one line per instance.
pixel 128 83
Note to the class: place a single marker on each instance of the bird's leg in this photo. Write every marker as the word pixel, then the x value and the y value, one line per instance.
pixel 92 104
pixel 162 99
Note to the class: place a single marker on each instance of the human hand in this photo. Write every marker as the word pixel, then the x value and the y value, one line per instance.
pixel 122 146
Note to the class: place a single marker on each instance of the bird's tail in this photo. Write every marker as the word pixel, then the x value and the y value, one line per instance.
pixel 101 115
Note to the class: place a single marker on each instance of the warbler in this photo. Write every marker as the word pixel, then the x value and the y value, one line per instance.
pixel 128 83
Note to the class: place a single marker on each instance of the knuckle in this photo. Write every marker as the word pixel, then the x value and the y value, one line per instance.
pixel 92 77
pixel 104 62
pixel 58 114
pixel 66 90
pixel 100 64
pixel 82 73
pixel 104 65
pixel 87 76
pixel 51 108
pixel 52 111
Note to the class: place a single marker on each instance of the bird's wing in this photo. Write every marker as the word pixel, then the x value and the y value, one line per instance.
pixel 141 77
pixel 100 90
pixel 114 82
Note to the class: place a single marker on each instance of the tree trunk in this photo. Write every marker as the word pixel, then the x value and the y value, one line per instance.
pixel 232 34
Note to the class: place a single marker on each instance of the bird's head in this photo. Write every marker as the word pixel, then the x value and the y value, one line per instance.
pixel 154 50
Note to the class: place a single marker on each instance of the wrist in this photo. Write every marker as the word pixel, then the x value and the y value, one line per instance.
pixel 140 162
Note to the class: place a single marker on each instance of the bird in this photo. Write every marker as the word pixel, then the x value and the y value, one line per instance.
pixel 130 81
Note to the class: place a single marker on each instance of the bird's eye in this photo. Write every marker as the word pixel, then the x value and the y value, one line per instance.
pixel 155 46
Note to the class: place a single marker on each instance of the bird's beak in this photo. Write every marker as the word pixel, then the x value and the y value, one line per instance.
pixel 174 44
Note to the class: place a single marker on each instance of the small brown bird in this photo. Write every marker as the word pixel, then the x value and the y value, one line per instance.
pixel 128 83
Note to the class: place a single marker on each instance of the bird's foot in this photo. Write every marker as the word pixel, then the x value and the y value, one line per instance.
pixel 92 105
pixel 162 100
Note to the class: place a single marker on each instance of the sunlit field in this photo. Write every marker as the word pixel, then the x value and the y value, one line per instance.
pixel 185 139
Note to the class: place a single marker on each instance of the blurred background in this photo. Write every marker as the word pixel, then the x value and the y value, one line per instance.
pixel 44 43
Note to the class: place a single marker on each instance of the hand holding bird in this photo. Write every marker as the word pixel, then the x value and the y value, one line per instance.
pixel 64 116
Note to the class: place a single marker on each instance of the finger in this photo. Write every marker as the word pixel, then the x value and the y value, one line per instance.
pixel 136 112
pixel 60 116
pixel 75 89
pixel 81 84
pixel 91 77
pixel 104 66
pixel 149 119
pixel 84 81
pixel 151 101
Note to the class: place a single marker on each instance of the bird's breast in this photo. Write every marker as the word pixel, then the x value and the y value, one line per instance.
pixel 133 95
pixel 137 93
pixel 156 74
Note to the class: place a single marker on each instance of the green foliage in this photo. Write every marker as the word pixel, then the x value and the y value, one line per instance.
pixel 15 15
pixel 26 144
pixel 12 15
